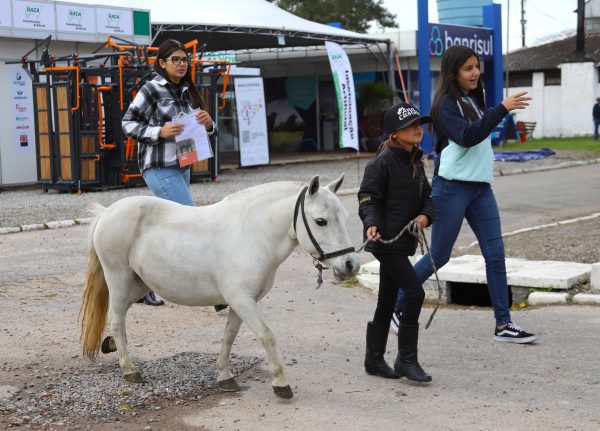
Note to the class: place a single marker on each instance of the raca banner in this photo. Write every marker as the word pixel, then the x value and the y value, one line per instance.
pixel 346 95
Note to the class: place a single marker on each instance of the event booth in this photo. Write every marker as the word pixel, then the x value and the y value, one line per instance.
pixel 233 28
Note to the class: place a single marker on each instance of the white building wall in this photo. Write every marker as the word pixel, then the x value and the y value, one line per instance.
pixel 562 110
pixel 530 113
pixel 536 109
pixel 552 113
pixel 579 82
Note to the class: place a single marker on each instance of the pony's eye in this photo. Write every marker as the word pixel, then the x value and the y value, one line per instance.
pixel 321 221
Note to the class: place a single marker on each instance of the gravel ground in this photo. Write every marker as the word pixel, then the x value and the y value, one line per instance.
pixel 100 391
pixel 577 242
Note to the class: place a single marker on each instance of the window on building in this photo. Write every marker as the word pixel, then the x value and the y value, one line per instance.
pixel 520 79
pixel 552 77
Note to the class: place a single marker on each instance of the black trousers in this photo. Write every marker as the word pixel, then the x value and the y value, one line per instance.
pixel 396 272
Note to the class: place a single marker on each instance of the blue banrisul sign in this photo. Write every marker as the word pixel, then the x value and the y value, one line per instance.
pixel 443 36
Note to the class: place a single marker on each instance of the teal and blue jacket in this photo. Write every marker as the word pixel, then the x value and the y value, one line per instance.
pixel 457 138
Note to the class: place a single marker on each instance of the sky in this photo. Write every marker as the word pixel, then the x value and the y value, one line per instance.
pixel 544 18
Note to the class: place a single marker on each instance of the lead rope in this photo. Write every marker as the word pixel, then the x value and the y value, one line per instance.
pixel 414 228
pixel 320 267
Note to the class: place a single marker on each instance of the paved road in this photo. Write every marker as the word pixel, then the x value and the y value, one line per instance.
pixel 530 199
pixel 478 384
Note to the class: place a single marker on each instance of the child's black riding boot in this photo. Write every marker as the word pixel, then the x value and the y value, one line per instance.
pixel 376 341
pixel 407 363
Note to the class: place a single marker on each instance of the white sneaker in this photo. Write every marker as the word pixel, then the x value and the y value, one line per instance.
pixel 395 323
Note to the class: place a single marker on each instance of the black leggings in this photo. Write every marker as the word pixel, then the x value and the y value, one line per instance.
pixel 396 272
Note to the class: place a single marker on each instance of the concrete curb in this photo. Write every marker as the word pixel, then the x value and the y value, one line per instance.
pixel 60 224
pixel 547 298
pixel 533 291
pixel 562 298
pixel 587 299
pixel 563 165
pixel 343 192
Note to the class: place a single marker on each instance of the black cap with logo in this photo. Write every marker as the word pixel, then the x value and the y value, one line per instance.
pixel 402 115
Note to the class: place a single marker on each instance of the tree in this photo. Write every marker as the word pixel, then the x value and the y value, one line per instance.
pixel 374 95
pixel 355 15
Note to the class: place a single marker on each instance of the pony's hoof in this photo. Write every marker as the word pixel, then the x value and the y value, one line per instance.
pixel 108 345
pixel 229 385
pixel 134 378
pixel 283 391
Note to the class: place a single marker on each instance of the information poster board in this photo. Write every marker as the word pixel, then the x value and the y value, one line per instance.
pixel 74 18
pixel 252 121
pixel 114 21
pixel 22 109
pixel 33 15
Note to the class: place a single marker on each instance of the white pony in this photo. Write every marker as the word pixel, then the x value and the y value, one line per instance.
pixel 226 253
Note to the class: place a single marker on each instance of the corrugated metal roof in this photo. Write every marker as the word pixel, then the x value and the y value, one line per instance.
pixel 551 54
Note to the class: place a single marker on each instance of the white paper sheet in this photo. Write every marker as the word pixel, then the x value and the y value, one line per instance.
pixel 196 131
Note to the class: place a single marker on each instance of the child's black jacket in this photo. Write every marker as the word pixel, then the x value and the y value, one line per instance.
pixel 390 196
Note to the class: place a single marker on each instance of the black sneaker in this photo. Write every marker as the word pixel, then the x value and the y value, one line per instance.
pixel 152 298
pixel 512 333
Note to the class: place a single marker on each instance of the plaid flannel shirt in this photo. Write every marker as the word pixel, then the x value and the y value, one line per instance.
pixel 157 103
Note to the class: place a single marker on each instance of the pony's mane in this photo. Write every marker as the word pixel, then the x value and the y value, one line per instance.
pixel 265 189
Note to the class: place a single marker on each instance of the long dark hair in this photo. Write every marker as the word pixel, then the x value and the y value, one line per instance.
pixel 452 60
pixel 167 48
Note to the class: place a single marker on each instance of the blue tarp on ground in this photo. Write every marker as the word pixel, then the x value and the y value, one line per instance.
pixel 522 156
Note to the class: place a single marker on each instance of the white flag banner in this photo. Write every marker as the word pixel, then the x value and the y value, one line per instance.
pixel 346 95
pixel 252 121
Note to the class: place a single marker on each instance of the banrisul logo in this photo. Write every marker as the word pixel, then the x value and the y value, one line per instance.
pixel 436 45
pixel 443 36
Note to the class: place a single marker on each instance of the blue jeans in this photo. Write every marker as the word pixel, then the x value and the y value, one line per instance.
pixel 171 183
pixel 596 124
pixel 453 202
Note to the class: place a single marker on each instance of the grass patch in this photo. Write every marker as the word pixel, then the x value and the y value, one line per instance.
pixel 351 282
pixel 557 144
pixel 544 289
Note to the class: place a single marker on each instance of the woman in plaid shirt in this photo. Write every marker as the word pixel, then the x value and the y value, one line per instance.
pixel 148 120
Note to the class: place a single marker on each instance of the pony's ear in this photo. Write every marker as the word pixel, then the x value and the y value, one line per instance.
pixel 335 185
pixel 313 185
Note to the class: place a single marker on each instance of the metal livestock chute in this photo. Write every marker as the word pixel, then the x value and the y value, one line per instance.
pixel 79 102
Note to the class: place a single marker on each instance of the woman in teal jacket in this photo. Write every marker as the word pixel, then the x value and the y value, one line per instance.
pixel 463 176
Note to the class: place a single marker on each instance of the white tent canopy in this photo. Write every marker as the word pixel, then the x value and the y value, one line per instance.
pixel 226 24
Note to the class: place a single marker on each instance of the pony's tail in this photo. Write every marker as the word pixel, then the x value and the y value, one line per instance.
pixel 94 307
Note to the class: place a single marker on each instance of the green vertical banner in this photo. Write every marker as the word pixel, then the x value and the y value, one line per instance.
pixel 345 92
